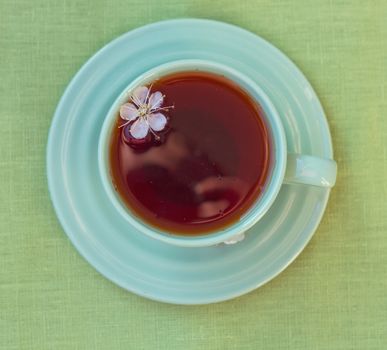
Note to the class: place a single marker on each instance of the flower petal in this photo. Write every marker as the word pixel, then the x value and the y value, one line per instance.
pixel 156 100
pixel 128 111
pixel 139 94
pixel 139 129
pixel 157 121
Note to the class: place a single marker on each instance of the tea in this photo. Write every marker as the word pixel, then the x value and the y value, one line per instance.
pixel 199 161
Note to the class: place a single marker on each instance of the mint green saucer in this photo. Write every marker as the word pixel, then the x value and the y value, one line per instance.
pixel 141 264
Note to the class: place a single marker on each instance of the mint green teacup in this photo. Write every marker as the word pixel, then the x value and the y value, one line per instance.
pixel 304 170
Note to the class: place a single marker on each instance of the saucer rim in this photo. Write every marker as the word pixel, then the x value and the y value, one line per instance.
pixel 65 222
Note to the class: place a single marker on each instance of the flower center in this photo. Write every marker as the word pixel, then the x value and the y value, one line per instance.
pixel 143 110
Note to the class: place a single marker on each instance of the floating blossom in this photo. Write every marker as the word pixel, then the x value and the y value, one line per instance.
pixel 144 113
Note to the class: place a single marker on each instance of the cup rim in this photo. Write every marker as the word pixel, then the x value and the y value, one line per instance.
pixel 262 203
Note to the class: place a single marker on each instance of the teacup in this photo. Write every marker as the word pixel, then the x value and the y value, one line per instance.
pixel 286 168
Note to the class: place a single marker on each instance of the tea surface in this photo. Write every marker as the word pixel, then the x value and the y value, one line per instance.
pixel 210 164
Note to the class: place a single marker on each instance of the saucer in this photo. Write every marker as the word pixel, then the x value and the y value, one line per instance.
pixel 141 264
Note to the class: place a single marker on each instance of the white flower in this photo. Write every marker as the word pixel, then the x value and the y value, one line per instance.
pixel 144 112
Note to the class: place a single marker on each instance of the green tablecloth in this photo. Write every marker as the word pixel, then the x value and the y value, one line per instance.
pixel 334 296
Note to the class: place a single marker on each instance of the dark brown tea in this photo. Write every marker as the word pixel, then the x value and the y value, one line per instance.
pixel 197 160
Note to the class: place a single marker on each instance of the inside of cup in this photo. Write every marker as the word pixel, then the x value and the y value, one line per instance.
pixel 277 151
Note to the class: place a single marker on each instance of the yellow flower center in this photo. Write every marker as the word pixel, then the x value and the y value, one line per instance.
pixel 143 110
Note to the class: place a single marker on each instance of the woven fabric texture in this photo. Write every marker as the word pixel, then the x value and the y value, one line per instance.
pixel 334 296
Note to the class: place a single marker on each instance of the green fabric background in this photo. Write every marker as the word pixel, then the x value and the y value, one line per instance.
pixel 334 296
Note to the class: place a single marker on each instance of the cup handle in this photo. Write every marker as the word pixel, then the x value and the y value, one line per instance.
pixel 310 170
